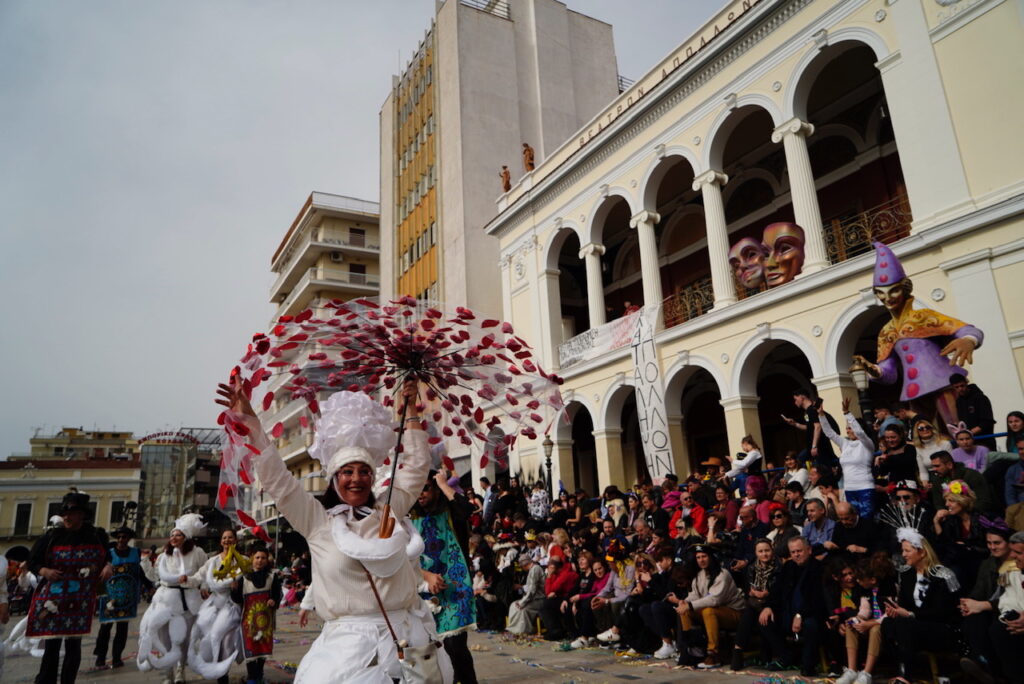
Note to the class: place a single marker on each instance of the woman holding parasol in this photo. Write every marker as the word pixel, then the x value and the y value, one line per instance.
pixel 357 570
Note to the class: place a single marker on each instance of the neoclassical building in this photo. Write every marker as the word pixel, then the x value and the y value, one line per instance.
pixel 859 120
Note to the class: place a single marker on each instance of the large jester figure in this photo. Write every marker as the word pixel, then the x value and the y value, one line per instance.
pixel 920 348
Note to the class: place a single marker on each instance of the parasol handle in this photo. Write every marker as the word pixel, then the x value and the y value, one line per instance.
pixel 387 522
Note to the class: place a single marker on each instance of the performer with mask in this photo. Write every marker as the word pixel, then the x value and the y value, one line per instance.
pixel 120 603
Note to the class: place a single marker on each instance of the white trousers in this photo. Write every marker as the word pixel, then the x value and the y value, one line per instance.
pixel 358 649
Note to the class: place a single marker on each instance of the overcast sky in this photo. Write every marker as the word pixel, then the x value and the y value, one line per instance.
pixel 152 156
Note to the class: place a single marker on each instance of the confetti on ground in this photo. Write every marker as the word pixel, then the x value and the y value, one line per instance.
pixel 479 647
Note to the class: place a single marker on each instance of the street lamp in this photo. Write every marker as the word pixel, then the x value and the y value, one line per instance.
pixel 861 379
pixel 548 446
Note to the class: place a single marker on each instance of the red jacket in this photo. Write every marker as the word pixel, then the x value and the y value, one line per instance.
pixel 563 583
pixel 698 515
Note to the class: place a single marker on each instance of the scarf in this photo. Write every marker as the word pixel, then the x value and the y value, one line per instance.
pixel 455 605
pixel 762 574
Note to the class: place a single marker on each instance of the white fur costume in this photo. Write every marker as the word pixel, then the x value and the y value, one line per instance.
pixel 164 629
pixel 214 643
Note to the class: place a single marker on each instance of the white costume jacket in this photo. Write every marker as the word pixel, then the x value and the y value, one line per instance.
pixel 164 629
pixel 214 643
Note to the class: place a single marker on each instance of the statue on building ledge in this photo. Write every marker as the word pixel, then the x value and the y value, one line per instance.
pixel 919 347
pixel 506 178
pixel 528 164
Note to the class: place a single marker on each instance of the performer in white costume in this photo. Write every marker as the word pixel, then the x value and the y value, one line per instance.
pixel 214 643
pixel 352 440
pixel 165 627
pixel 16 640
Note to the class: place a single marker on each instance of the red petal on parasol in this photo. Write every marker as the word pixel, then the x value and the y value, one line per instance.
pixel 478 415
pixel 222 418
pixel 448 463
pixel 483 461
pixel 243 475
pixel 528 366
pixel 304 316
pixel 511 400
pixel 489 323
pixel 263 346
pixel 536 418
pixel 506 328
pixel 304 421
pixel 261 534
pixel 245 518
pixel 447 431
pixel 277 430
pixel 223 492
pixel 433 440
pixel 268 398
pixel 253 449
pixel 286 319
pixel 288 345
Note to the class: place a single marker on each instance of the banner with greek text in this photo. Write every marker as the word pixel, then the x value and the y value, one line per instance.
pixel 597 341
pixel 650 395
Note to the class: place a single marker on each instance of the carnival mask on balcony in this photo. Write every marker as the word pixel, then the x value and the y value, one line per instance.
pixel 784 244
pixel 746 258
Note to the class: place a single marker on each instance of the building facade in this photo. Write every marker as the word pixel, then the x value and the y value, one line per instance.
pixel 31 492
pixel 488 77
pixel 331 251
pixel 78 443
pixel 858 120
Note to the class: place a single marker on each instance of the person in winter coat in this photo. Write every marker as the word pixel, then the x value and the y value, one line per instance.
pixel 713 600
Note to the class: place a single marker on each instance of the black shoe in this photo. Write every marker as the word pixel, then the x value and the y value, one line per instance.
pixel 776 666
pixel 737 660
pixel 976 672
pixel 101 662
pixel 117 663
pixel 835 669
pixel 813 672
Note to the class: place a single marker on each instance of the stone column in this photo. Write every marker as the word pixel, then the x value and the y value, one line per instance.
pixel 610 470
pixel 561 466
pixel 680 452
pixel 592 252
pixel 644 223
pixel 793 135
pixel 741 419
pixel 551 311
pixel 710 184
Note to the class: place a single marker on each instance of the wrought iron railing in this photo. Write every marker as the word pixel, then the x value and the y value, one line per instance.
pixel 851 236
pixel 625 83
pixel 686 303
pixel 498 8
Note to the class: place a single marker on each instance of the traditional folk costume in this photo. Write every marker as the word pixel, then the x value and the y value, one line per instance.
pixel 120 602
pixel 355 645
pixel 254 594
pixel 213 644
pixel 62 609
pixel 165 626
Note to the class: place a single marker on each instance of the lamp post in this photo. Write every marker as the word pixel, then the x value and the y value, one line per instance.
pixel 859 373
pixel 548 446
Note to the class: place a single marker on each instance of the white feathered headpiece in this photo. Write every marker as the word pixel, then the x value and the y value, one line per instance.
pixel 190 525
pixel 352 427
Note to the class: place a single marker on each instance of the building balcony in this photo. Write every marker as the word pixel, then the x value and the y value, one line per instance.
pixel 852 236
pixel 338 243
pixel 317 279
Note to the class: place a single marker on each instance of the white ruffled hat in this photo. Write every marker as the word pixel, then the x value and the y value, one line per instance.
pixel 190 525
pixel 352 428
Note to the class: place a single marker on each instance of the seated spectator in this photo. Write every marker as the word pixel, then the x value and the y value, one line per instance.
pixel 727 505
pixel 795 608
pixel 975 409
pixel 756 489
pixel 855 535
pixel 1014 482
pixel 721 540
pixel 751 529
pixel 898 460
pixel 655 516
pixel 875 588
pixel 782 530
pixel 760 582
pixel 657 613
pixel 927 440
pixel 840 607
pixel 651 585
pixel 686 539
pixel 1014 431
pixel 978 607
pixel 814 475
pixel 884 417
pixel 856 453
pixel 747 462
pixel 907 415
pixel 561 583
pixel 1008 631
pixel 689 508
pixel 642 535
pixel 522 614
pixel 974 456
pixel 796 503
pixel 818 529
pixel 924 614
pixel 960 539
pixel 580 604
pixel 795 471
pixel 713 600
pixel 906 508
pixel 490 611
pixel 607 605
pixel 831 495
pixel 945 470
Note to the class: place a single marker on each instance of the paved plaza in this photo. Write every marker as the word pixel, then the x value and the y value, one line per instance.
pixel 498 659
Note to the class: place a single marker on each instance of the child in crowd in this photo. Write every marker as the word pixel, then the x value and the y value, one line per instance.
pixel 259 594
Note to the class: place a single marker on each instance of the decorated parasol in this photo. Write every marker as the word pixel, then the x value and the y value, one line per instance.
pixel 482 387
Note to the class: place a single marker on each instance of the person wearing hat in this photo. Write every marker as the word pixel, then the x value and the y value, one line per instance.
pixel 523 612
pixel 120 602
pixel 919 347
pixel 69 560
pixel 364 582
pixel 167 624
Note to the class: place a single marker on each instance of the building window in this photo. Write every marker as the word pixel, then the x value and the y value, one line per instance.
pixel 116 514
pixel 52 510
pixel 22 519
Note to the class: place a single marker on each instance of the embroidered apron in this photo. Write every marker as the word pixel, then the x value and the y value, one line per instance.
pixel 65 607
pixel 257 619
pixel 122 590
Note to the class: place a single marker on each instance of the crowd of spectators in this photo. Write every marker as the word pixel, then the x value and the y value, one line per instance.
pixel 878 544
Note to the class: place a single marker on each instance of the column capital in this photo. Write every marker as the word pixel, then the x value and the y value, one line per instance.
pixel 710 177
pixel 607 433
pixel 794 126
pixel 740 401
pixel 649 217
pixel 591 248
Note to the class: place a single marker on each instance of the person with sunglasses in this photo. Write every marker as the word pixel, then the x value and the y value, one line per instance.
pixel 782 530
pixel 906 505
pixel 927 439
